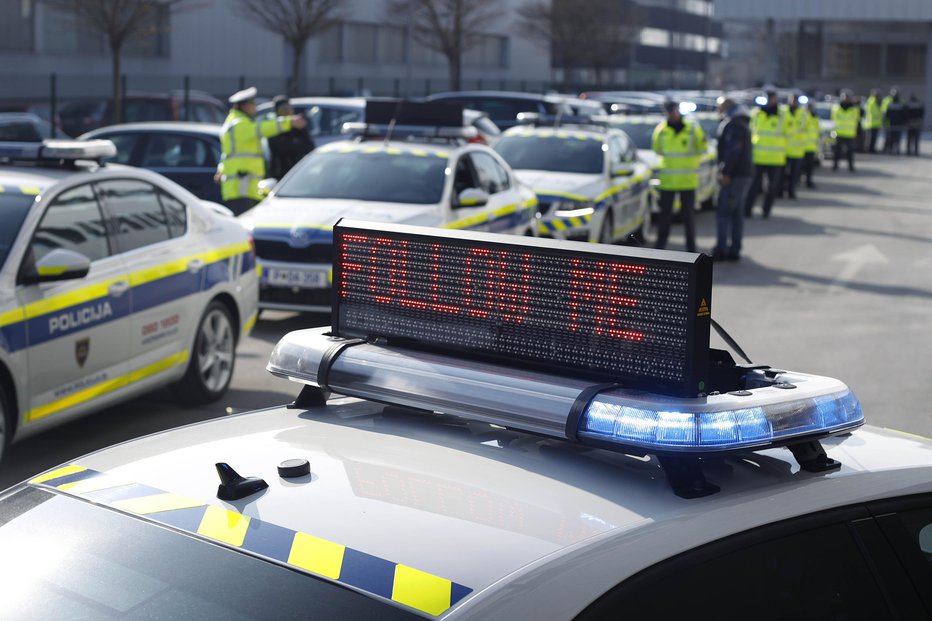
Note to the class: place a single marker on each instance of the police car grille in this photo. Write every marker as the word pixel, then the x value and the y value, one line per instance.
pixel 282 251
pixel 301 297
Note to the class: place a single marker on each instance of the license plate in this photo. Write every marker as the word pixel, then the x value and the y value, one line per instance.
pixel 301 278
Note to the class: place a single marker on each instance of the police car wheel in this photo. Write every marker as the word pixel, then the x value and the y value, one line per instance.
pixel 605 234
pixel 211 366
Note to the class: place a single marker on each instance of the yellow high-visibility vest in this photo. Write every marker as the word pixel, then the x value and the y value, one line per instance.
pixel 799 130
pixel 242 164
pixel 813 134
pixel 680 155
pixel 846 121
pixel 769 134
pixel 873 114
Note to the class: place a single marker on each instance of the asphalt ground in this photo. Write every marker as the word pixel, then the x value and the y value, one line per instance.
pixel 837 282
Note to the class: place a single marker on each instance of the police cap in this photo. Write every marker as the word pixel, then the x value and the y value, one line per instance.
pixel 243 95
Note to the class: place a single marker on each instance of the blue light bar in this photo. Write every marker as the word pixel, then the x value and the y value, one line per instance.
pixel 613 418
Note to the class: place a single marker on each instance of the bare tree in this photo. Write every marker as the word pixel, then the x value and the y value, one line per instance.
pixel 118 21
pixel 595 34
pixel 450 27
pixel 296 21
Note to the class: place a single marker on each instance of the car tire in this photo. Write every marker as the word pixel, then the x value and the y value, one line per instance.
pixel 6 422
pixel 605 233
pixel 210 367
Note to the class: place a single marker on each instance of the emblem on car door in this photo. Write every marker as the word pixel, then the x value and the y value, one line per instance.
pixel 82 348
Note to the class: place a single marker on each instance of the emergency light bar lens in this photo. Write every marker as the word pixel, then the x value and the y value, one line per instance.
pixel 609 419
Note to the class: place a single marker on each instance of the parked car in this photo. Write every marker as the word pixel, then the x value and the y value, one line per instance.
pixel 186 153
pixel 79 117
pixel 114 281
pixel 503 107
pixel 23 127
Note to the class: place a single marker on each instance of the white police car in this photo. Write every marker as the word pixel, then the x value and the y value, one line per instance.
pixel 113 281
pixel 455 475
pixel 640 128
pixel 589 182
pixel 426 175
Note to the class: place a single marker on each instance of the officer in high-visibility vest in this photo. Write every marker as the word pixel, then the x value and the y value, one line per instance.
pixel 873 119
pixel 680 145
pixel 770 131
pixel 846 115
pixel 242 163
pixel 797 116
pixel 884 106
pixel 813 144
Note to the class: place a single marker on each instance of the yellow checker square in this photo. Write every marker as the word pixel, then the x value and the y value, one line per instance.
pixel 224 526
pixel 54 474
pixel 319 556
pixel 421 590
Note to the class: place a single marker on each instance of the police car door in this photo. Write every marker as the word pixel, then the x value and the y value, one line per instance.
pixel 624 201
pixel 77 329
pixel 165 272
pixel 505 213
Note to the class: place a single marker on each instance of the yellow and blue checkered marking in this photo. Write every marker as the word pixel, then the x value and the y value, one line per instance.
pixel 392 581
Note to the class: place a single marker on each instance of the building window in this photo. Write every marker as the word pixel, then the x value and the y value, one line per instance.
pixel 391 44
pixel 843 60
pixel 360 43
pixel 422 55
pixel 331 44
pixel 655 37
pixel 64 33
pixel 488 51
pixel 869 59
pixel 16 26
pixel 906 61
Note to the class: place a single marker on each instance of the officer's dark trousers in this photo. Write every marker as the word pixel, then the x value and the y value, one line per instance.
pixel 774 175
pixel 809 162
pixel 687 210
pixel 891 141
pixel 239 205
pixel 794 166
pixel 846 145
pixel 912 141
pixel 872 146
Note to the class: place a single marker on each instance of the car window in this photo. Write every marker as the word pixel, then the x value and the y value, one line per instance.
pixel 504 109
pixel 175 214
pixel 625 148
pixel 329 121
pixel 463 176
pixel 13 211
pixel 73 221
pixel 206 113
pixel 19 131
pixel 374 175
pixel 136 110
pixel 135 211
pixel 815 574
pixel 919 525
pixel 558 152
pixel 125 145
pixel 68 559
pixel 492 177
pixel 176 151
pixel 641 134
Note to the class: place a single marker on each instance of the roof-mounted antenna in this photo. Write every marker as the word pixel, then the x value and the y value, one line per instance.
pixel 391 124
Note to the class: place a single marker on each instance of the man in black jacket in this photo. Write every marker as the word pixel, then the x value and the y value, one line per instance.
pixel 287 148
pixel 735 175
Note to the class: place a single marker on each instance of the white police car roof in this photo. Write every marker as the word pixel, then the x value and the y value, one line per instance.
pixel 488 508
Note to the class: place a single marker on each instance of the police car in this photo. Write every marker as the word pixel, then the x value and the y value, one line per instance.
pixel 589 182
pixel 419 171
pixel 640 128
pixel 113 281
pixel 611 466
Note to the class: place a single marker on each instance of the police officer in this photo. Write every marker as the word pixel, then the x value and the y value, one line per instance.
pixel 680 144
pixel 915 113
pixel 896 122
pixel 813 137
pixel 797 117
pixel 884 106
pixel 734 179
pixel 873 119
pixel 242 163
pixel 289 147
pixel 845 115
pixel 770 131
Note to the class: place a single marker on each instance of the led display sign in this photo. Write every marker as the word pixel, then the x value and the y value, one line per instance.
pixel 633 316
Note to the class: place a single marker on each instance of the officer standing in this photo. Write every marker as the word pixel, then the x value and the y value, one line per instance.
pixel 884 106
pixel 845 115
pixel 242 163
pixel 680 145
pixel 734 178
pixel 915 113
pixel 769 133
pixel 873 119
pixel 896 120
pixel 797 117
pixel 289 147
pixel 813 138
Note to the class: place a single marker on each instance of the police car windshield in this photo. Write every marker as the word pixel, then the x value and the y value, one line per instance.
pixel 68 559
pixel 709 125
pixel 385 175
pixel 13 210
pixel 641 134
pixel 824 112
pixel 571 153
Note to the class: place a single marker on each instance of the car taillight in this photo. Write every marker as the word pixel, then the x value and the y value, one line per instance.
pixel 478 139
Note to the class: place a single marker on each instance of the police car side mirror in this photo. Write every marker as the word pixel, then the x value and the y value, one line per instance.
pixel 471 197
pixel 59 264
pixel 266 186
pixel 623 170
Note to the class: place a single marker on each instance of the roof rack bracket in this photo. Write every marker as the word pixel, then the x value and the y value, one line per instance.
pixel 309 397
pixel 686 477
pixel 811 457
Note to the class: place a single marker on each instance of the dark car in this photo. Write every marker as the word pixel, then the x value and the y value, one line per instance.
pixel 503 107
pixel 78 117
pixel 23 127
pixel 186 153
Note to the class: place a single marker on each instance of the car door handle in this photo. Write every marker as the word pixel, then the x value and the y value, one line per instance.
pixel 195 265
pixel 118 288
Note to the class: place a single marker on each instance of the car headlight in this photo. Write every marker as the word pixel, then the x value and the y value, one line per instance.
pixel 566 209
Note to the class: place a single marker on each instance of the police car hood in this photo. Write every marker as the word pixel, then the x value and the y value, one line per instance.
pixel 313 213
pixel 545 182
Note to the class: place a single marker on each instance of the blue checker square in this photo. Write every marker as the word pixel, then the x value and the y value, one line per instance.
pixel 367 572
pixel 268 540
